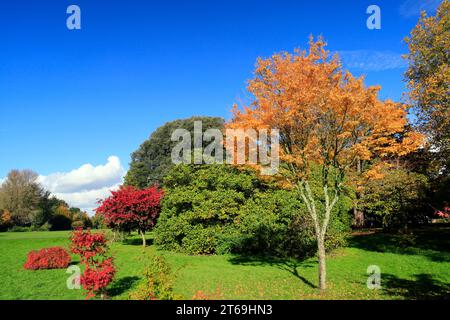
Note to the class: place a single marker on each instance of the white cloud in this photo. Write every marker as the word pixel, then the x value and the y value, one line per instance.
pixel 85 178
pixel 412 8
pixel 83 187
pixel 371 60
pixel 87 200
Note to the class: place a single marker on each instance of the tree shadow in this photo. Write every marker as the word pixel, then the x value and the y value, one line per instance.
pixel 122 285
pixel 136 241
pixel 424 287
pixel 289 265
pixel 432 242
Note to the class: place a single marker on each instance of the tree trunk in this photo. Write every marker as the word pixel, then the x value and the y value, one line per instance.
pixel 322 263
pixel 144 241
pixel 358 217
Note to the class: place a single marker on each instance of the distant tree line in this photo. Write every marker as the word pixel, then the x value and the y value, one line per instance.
pixel 26 205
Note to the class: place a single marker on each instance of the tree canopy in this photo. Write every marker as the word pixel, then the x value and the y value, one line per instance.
pixel 151 162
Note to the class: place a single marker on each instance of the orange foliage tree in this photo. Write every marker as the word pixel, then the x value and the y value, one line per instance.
pixel 327 119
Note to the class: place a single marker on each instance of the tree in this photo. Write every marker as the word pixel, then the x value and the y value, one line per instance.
pixel 20 194
pixel 396 199
pixel 428 77
pixel 326 118
pixel 130 209
pixel 151 162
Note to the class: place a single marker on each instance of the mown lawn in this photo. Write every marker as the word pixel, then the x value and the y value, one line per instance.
pixel 418 269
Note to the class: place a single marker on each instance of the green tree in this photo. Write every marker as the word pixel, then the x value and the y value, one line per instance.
pixel 396 199
pixel 150 163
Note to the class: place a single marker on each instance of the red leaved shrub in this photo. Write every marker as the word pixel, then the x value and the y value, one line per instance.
pixel 96 278
pixel 100 270
pixel 49 258
pixel 88 245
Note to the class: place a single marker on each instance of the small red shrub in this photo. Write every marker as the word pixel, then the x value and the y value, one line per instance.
pixel 445 213
pixel 100 270
pixel 88 245
pixel 49 258
pixel 95 279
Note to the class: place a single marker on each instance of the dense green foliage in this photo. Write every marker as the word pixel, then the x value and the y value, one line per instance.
pixel 212 209
pixel 397 200
pixel 151 162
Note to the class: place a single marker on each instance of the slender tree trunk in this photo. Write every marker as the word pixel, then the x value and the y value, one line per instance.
pixel 358 215
pixel 144 241
pixel 322 263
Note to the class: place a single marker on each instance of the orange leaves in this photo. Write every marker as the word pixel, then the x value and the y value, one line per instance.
pixel 324 114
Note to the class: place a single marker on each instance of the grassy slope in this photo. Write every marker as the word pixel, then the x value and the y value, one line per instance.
pixel 420 271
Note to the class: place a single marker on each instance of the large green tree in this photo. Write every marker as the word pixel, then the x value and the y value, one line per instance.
pixel 151 162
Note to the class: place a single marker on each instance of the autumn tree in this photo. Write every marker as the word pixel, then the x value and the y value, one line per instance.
pixel 130 209
pixel 326 118
pixel 20 194
pixel 428 78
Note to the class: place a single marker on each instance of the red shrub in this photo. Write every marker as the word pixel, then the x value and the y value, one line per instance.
pixel 100 270
pixel 445 213
pixel 50 258
pixel 88 245
pixel 96 278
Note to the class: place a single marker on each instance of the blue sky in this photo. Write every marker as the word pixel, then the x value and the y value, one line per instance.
pixel 69 100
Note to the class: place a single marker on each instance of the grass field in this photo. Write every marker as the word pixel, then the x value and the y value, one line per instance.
pixel 419 271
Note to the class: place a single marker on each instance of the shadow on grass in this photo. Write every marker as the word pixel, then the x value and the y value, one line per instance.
pixel 424 287
pixel 122 285
pixel 432 242
pixel 289 265
pixel 136 242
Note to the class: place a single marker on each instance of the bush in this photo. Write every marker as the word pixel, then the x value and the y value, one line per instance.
pixel 217 209
pixel 201 295
pixel 100 269
pixel 397 200
pixel 88 245
pixel 20 229
pixel 97 277
pixel 158 282
pixel 50 258
pixel 60 222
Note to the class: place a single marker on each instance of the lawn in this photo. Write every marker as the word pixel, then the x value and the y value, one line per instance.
pixel 417 268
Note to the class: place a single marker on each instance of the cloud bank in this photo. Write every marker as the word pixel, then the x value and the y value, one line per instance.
pixel 83 187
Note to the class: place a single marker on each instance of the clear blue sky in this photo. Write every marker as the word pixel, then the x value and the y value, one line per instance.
pixel 73 97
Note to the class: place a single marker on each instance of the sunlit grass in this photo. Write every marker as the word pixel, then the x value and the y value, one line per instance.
pixel 421 270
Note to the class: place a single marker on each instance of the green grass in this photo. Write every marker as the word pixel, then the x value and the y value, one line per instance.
pixel 410 270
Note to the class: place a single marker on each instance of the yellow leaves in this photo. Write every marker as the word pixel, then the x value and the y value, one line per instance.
pixel 361 151
pixel 376 172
